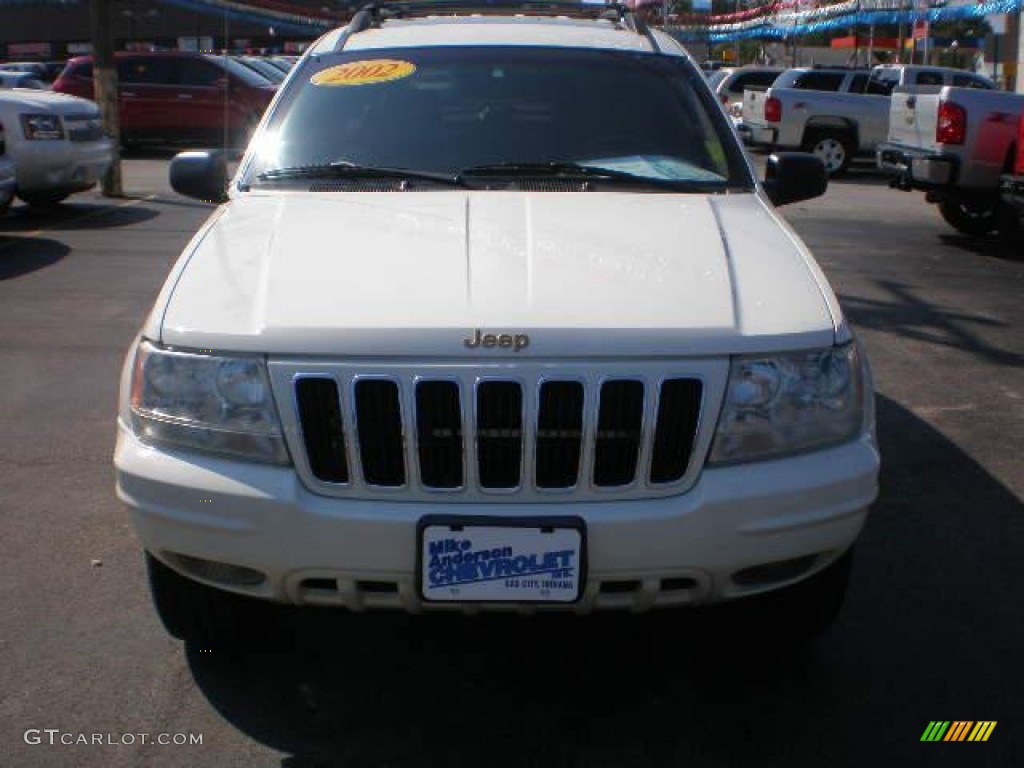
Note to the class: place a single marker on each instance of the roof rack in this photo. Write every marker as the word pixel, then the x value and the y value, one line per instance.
pixel 370 16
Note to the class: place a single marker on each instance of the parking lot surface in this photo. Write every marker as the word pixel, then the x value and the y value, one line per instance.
pixel 932 628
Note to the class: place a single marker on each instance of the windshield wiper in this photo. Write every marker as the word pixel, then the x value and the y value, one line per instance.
pixel 347 170
pixel 579 170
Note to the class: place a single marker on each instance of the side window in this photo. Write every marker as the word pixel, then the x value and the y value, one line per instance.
pixel 858 84
pixel 819 81
pixel 84 70
pixel 966 81
pixel 929 78
pixel 199 72
pixel 145 70
pixel 879 87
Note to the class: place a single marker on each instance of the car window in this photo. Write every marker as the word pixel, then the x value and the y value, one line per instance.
pixel 858 84
pixel 966 81
pixel 82 69
pixel 199 72
pixel 148 70
pixel 239 71
pixel 879 86
pixel 929 78
pixel 819 81
pixel 748 79
pixel 448 109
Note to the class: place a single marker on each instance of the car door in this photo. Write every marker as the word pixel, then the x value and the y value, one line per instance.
pixel 201 95
pixel 144 84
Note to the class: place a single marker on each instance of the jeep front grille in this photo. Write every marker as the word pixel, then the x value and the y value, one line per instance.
pixel 493 433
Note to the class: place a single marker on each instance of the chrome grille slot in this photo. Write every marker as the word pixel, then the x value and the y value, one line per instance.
pixel 619 427
pixel 559 434
pixel 676 429
pixel 439 434
pixel 319 411
pixel 379 424
pixel 499 434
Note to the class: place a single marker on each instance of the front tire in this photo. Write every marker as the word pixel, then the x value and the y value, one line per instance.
pixel 44 199
pixel 969 216
pixel 795 614
pixel 834 148
pixel 212 619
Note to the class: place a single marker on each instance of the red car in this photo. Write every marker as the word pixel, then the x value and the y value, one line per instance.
pixel 1012 223
pixel 177 96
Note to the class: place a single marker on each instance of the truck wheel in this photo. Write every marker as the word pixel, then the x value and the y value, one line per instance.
pixel 795 614
pixel 833 147
pixel 201 615
pixel 970 217
pixel 43 199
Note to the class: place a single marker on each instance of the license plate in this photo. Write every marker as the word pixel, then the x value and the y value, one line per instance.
pixel 465 560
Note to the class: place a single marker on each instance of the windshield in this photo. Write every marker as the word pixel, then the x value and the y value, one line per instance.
pixel 463 109
pixel 246 74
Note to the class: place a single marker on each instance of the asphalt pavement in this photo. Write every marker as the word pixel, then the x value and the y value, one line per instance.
pixel 932 629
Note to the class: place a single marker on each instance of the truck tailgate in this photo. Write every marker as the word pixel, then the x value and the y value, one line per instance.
pixel 912 119
pixel 754 98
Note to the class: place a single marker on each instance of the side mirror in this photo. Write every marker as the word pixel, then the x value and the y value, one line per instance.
pixel 202 174
pixel 794 176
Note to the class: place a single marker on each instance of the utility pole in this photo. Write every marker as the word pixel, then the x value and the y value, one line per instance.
pixel 104 79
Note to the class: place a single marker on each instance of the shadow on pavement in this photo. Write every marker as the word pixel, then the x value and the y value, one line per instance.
pixel 930 630
pixel 76 216
pixel 906 314
pixel 862 172
pixel 991 246
pixel 21 255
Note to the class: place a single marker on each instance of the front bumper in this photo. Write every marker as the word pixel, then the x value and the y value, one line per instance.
pixel 362 553
pixel 917 169
pixel 61 166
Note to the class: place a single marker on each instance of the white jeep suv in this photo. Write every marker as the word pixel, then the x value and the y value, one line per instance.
pixel 495 315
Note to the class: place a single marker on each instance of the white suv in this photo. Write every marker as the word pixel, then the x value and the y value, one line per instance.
pixel 495 315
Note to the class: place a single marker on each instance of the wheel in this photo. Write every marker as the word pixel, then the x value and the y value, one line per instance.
pixel 834 148
pixel 43 199
pixel 970 216
pixel 791 615
pixel 210 618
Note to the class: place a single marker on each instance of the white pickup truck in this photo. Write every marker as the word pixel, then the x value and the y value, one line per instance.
pixel 837 114
pixel 954 145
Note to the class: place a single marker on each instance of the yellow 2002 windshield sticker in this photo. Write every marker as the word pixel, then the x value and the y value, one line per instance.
pixel 364 72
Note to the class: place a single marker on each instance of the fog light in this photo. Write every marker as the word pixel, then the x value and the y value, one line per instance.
pixel 769 573
pixel 222 573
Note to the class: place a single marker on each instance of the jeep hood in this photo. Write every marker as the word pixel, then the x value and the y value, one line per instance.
pixel 414 273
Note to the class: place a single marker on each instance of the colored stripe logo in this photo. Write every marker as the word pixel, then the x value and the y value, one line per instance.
pixel 958 730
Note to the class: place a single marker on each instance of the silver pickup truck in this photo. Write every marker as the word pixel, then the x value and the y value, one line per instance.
pixel 837 114
pixel 954 145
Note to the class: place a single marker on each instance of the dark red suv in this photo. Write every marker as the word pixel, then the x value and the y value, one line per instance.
pixel 177 96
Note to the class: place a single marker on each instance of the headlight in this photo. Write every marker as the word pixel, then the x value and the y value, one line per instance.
pixel 42 127
pixel 210 403
pixel 784 404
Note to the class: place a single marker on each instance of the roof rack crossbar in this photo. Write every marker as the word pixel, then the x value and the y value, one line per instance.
pixel 372 14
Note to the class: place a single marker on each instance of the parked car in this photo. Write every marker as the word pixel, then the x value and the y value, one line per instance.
pixel 46 71
pixel 56 142
pixel 730 83
pixel 179 96
pixel 954 144
pixel 416 360
pixel 8 183
pixel 838 114
pixel 1012 223
pixel 263 67
pixel 21 80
